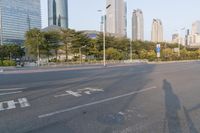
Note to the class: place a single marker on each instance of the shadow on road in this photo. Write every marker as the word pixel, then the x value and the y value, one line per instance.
pixel 190 123
pixel 172 106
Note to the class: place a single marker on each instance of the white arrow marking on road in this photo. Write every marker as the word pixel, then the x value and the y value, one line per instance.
pixel 62 95
pixel 7 105
pixel 87 92
pixel 76 94
pixel 90 89
pixel 94 103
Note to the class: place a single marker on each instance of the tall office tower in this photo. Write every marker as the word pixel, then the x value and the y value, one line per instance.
pixel 58 13
pixel 137 25
pixel 116 17
pixel 157 31
pixel 196 27
pixel 175 38
pixel 17 17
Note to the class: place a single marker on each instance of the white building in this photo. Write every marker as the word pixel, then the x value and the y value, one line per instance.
pixel 194 40
pixel 137 25
pixel 196 27
pixel 176 38
pixel 157 31
pixel 116 17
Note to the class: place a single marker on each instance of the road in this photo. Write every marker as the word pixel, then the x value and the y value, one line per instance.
pixel 142 98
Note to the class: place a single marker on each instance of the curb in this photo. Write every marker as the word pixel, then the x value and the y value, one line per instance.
pixel 1 70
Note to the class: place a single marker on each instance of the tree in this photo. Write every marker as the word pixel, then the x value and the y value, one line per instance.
pixel 113 54
pixel 34 42
pixel 143 54
pixel 151 55
pixel 52 42
pixel 67 38
pixel 80 40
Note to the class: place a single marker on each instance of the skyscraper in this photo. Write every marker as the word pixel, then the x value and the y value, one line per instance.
pixel 116 17
pixel 58 13
pixel 17 17
pixel 196 27
pixel 137 25
pixel 157 31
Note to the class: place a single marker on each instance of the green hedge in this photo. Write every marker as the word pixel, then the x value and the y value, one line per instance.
pixel 8 63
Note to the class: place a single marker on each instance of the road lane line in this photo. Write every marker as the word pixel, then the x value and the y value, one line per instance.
pixel 94 103
pixel 10 93
pixel 62 95
pixel 12 89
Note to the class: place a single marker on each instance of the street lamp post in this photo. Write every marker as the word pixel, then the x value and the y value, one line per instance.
pixel 1 25
pixel 131 51
pixel 179 44
pixel 104 34
pixel 104 43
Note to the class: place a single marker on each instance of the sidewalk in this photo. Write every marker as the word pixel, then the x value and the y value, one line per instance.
pixel 24 70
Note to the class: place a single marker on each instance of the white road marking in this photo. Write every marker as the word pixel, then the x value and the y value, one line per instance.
pixel 12 89
pixel 76 94
pixel 79 92
pixel 10 93
pixel 62 95
pixel 8 105
pixel 90 89
pixel 94 103
pixel 87 92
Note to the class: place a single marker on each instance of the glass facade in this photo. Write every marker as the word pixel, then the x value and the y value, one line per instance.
pixel 18 16
pixel 58 13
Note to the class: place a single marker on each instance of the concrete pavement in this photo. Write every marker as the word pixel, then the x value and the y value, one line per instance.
pixel 146 98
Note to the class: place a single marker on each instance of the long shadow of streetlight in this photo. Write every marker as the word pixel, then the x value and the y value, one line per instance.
pixel 172 106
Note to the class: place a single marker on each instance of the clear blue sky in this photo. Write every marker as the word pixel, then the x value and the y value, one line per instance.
pixel 174 14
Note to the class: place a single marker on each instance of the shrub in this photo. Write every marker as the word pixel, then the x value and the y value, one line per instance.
pixel 8 63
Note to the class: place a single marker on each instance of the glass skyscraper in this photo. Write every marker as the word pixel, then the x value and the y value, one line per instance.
pixel 58 13
pixel 116 19
pixel 17 17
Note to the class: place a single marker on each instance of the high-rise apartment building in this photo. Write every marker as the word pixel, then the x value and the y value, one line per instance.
pixel 193 39
pixel 17 17
pixel 58 13
pixel 137 25
pixel 157 31
pixel 116 17
pixel 196 27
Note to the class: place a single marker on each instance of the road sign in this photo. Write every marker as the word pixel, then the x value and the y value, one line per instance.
pixel 158 50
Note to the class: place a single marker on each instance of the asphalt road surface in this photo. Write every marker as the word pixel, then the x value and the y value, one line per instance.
pixel 145 98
